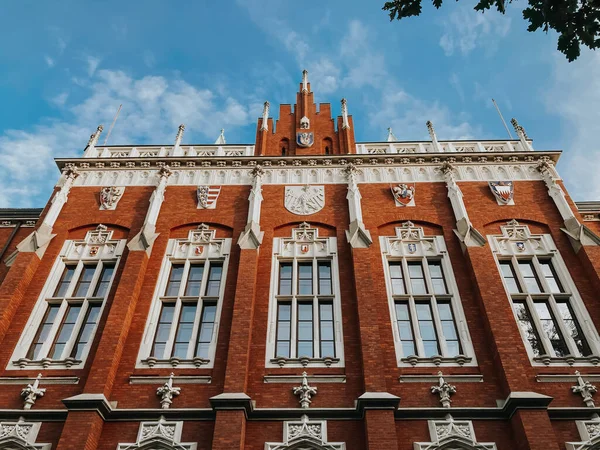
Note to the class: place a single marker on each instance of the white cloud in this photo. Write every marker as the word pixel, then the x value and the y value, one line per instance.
pixel 92 65
pixel 153 107
pixel 49 61
pixel 60 99
pixel 574 95
pixel 466 29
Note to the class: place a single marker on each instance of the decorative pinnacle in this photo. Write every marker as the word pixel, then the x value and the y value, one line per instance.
pixel 95 136
pixel 305 392
pixel 179 135
pixel 586 389
pixel 221 139
pixel 305 80
pixel 345 123
pixel 265 117
pixel 167 392
pixel 518 128
pixel 391 136
pixel 32 392
pixel 445 390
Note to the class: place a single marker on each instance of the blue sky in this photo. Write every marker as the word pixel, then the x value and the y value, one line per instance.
pixel 65 67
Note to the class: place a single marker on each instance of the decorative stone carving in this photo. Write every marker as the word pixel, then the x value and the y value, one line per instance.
pixel 450 434
pixel 521 134
pixel 585 389
pixel 221 139
pixel 305 139
pixel 345 123
pixel 265 117
pixel 404 195
pixel 207 196
pixel 304 123
pixel 110 196
pixel 21 435
pixel 252 236
pixel 304 392
pixel 305 434
pixel 167 392
pixel 436 145
pixel 357 235
pixel 503 192
pixel 32 392
pixel 391 137
pixel 305 80
pixel 163 434
pixel 304 200
pixel 445 390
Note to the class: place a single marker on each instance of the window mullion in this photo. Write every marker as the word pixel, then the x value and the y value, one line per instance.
pixel 316 328
pixel 184 278
pixel 540 275
pixel 196 329
pixel 76 328
pixel 173 331
pixel 294 329
pixel 415 325
pixel 566 334
pixel 74 279
pixel 406 274
pixel 95 278
pixel 427 275
pixel 538 325
pixel 438 325
pixel 517 271
pixel 52 335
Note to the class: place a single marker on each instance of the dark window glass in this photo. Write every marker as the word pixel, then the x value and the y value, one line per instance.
pixel 91 319
pixel 529 277
pixel 405 329
pixel 85 279
pixel 305 329
pixel 162 330
pixel 305 279
pixel 65 279
pixel 449 329
pixel 528 328
pixel 194 280
pixel 174 280
pixel 183 336
pixel 574 328
pixel 43 332
pixel 285 278
pixel 324 272
pixel 398 287
pixel 510 279
pixel 207 323
pixel 214 280
pixel 437 277
pixel 65 332
pixel 550 275
pixel 417 278
pixel 427 330
pixel 326 330
pixel 284 330
pixel 550 327
pixel 104 280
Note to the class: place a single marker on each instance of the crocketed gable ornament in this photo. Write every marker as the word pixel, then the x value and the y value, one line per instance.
pixel 452 434
pixel 207 196
pixel 404 195
pixel 503 191
pixel 21 435
pixel 305 434
pixel 304 200
pixel 158 436
pixel 305 138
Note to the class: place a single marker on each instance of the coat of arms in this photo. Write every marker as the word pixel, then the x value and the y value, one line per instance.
pixel 404 195
pixel 207 196
pixel 110 196
pixel 305 138
pixel 304 200
pixel 503 191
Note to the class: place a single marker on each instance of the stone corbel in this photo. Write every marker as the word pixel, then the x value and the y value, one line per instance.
pixel 252 236
pixel 145 238
pixel 358 236
pixel 579 234
pixel 466 232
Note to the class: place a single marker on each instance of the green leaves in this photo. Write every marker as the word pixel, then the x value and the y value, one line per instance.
pixel 577 22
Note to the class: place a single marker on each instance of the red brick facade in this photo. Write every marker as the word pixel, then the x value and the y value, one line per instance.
pixel 374 407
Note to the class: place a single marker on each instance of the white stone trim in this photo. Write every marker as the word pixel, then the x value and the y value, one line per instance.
pixel 305 433
pixel 450 433
pixel 534 246
pixel 589 432
pixel 21 435
pixel 162 434
pixel 289 249
pixel 183 251
pixel 396 248
pixel 98 248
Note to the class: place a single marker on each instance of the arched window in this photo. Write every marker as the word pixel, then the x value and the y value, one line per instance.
pixel 327 146
pixel 284 145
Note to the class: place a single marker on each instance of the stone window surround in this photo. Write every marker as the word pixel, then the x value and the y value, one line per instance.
pixel 542 246
pixel 218 251
pixel 395 248
pixel 288 249
pixel 73 252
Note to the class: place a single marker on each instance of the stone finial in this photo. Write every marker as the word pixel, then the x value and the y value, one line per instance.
pixel 391 137
pixel 345 123
pixel 165 172
pixel 179 135
pixel 433 136
pixel 258 171
pixel 95 136
pixel 305 392
pixel 304 123
pixel 167 392
pixel 265 117
pixel 221 139
pixel 445 390
pixel 305 80
pixel 32 392
pixel 585 389
pixel 71 173
pixel 520 133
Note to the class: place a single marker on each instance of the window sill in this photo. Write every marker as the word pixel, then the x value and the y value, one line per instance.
pixel 47 363
pixel 175 362
pixel 305 362
pixel 547 360
pixel 437 360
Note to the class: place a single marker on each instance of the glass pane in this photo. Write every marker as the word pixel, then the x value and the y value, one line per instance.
pixel 395 270
pixel 184 333
pixel 188 313
pixel 531 282
pixel 85 279
pixel 445 311
pixel 305 349
pixel 327 349
pixel 162 332
pixel 104 281
pixel 431 349
pixel 202 351
pixel 402 311
pixel 180 349
pixel 65 279
pixel 282 349
pixel 573 328
pixel 427 330
pixel 449 330
pixel 174 280
pixel 398 287
pixel 206 332
pixel 423 311
pixel 326 311
pixel 285 311
pixel 453 348
pixel 551 329
pixel 405 331
pixel 509 277
pixel 209 314
pixel 305 331
pixel 327 331
pixel 417 278
pixel 437 277
pixel 192 289
pixel 159 350
pixel 284 325
pixel 285 287
pixel 283 331
pixel 415 270
pixel 285 279
pixel 214 280
pixel 550 276
pixel 325 287
pixel 305 283
pixel 305 311
pixel 43 332
pixel 408 348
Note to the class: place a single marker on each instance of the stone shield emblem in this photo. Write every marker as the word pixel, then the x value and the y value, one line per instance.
pixel 503 191
pixel 404 195
pixel 304 200
pixel 305 139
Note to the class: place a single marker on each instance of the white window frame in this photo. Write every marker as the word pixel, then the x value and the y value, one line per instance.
pixel 305 245
pixel 200 247
pixel 97 248
pixel 518 243
pixel 411 244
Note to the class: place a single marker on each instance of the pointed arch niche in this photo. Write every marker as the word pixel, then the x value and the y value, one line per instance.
pixel 452 434
pixel 305 434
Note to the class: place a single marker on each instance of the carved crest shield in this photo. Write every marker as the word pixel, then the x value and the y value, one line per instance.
pixel 207 196
pixel 503 191
pixel 110 196
pixel 305 139
pixel 304 200
pixel 404 195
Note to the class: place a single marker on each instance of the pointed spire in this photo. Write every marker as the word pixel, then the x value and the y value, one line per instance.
pixel 391 136
pixel 265 117
pixel 305 80
pixel 436 144
pixel 178 138
pixel 345 123
pixel 521 133
pixel 221 139
pixel 94 138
